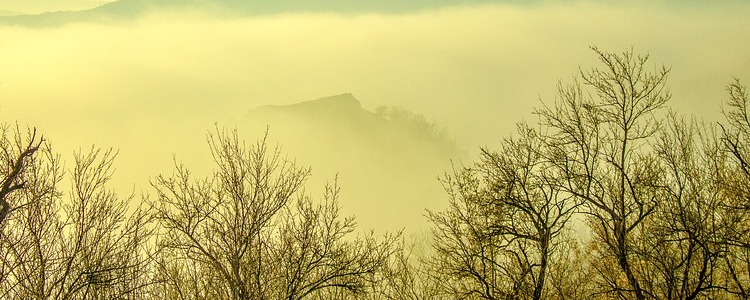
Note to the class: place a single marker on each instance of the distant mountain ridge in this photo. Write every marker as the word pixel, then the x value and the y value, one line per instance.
pixel 125 9
pixel 388 158
pixel 344 113
pixel 5 13
pixel 337 103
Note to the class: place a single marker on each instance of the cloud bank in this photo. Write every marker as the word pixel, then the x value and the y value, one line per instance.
pixel 154 85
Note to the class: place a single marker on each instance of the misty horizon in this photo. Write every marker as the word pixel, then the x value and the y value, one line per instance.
pixel 386 99
pixel 124 76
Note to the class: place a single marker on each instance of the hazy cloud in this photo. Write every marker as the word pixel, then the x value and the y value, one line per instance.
pixel 154 85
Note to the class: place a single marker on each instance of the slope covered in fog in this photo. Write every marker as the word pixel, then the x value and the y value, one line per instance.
pixel 387 160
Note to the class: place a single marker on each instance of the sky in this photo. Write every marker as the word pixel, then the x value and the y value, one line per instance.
pixel 153 85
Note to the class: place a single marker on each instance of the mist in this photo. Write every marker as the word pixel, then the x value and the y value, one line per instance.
pixel 153 86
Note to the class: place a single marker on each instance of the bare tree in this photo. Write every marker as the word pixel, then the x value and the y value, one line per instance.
pixel 220 221
pixel 505 217
pixel 598 129
pixel 570 271
pixel 14 160
pixel 81 247
pixel 314 255
pixel 529 200
pixel 735 137
pixel 470 259
pixel 684 242
pixel 408 275
pixel 237 230
pixel 33 233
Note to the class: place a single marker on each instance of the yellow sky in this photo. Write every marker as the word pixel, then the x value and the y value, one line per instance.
pixel 154 86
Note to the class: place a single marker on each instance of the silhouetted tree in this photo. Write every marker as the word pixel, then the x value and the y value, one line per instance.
pixel 408 275
pixel 238 234
pixel 85 246
pixel 683 243
pixel 15 155
pixel 735 137
pixel 314 253
pixel 598 128
pixel 504 223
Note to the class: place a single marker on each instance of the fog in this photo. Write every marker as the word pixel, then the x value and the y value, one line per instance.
pixel 153 86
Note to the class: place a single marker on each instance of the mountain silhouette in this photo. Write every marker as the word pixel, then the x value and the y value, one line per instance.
pixel 339 105
pixel 388 159
pixel 334 113
pixel 344 113
pixel 6 13
pixel 127 9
